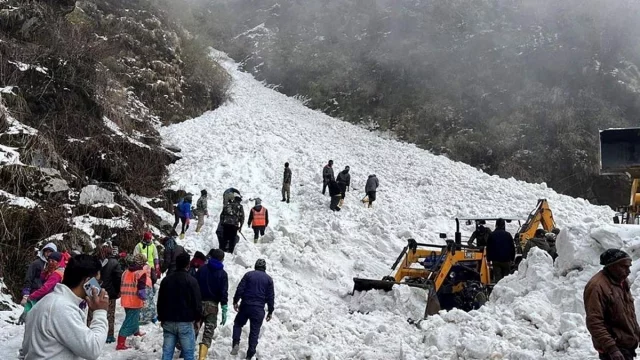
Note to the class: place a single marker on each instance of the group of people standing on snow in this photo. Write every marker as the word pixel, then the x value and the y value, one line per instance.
pixel 338 186
pixel 190 297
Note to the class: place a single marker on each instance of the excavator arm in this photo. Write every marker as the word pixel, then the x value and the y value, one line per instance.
pixel 541 215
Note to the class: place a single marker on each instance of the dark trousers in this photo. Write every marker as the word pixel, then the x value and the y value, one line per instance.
pixel 229 233
pixel 372 197
pixel 258 231
pixel 500 269
pixel 343 189
pixel 254 314
pixel 335 200
pixel 179 218
pixel 629 354
pixel 324 186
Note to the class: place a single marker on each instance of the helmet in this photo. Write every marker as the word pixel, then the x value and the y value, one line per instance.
pixel 261 264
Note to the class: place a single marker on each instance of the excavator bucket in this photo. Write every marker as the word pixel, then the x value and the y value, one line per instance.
pixel 433 303
pixel 370 284
pixel 620 151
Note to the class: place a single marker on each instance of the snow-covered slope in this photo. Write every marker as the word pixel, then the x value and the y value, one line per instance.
pixel 313 253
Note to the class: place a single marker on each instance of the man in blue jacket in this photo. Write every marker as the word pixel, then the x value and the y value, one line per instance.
pixel 214 288
pixel 501 250
pixel 254 291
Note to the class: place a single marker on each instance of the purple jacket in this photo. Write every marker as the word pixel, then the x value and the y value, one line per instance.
pixel 255 289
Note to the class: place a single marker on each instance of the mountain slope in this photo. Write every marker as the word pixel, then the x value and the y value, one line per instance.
pixel 313 253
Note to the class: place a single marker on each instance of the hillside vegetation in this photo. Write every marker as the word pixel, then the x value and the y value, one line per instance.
pixel 515 87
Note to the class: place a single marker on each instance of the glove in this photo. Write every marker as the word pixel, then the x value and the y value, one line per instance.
pixel 142 294
pixel 616 355
pixel 225 308
pixel 23 302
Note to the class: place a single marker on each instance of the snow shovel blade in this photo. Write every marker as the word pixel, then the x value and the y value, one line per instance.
pixel 433 303
pixel 370 284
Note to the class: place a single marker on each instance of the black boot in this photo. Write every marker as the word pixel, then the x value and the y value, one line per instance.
pixel 283 199
pixel 287 201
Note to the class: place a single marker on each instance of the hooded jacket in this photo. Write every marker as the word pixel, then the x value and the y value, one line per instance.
pixel 344 178
pixel 255 289
pixel 213 282
pixel 372 184
pixel 57 329
pixel 257 208
pixel 201 206
pixel 536 242
pixel 185 209
pixel 32 279
pixel 610 313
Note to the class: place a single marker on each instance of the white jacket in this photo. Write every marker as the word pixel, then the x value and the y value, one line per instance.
pixel 56 329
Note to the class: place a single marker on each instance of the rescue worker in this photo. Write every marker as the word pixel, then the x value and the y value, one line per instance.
pixel 150 251
pixel 171 252
pixel 370 189
pixel 179 308
pixel 254 291
pixel 344 181
pixel 214 288
pixel 539 240
pixel 327 176
pixel 480 235
pixel 111 278
pixel 501 250
pixel 232 219
pixel 334 192
pixel 286 183
pixel 201 210
pixel 32 280
pixel 133 293
pixel 258 219
pixel 610 313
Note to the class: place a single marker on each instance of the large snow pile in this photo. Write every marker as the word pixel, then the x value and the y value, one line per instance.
pixel 313 253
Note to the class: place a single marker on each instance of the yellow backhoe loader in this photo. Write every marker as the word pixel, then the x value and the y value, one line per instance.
pixel 454 275
pixel 620 155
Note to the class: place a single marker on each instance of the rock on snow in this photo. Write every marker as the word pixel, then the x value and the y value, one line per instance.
pixel 313 254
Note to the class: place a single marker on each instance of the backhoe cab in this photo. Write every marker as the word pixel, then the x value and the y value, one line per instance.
pixel 453 275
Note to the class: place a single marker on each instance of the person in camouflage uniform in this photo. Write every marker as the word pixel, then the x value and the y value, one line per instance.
pixel 232 218
pixel 538 241
pixel 327 176
pixel 286 183
pixel 201 210
pixel 214 288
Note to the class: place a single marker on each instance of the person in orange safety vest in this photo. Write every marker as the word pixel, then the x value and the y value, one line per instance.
pixel 133 293
pixel 258 219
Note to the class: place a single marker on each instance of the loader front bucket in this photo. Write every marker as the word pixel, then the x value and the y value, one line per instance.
pixel 620 151
pixel 370 284
pixel 433 303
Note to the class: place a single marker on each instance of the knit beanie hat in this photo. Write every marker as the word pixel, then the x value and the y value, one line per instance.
pixel 139 259
pixel 55 256
pixel 612 256
pixel 258 201
pixel 261 264
pixel 148 236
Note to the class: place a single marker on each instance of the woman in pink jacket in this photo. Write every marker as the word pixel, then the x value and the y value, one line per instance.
pixel 51 276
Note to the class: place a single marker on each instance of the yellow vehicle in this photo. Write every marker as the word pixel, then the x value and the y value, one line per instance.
pixel 453 275
pixel 620 155
pixel 541 215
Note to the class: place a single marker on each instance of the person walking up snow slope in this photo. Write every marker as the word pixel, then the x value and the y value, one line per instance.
pixel 286 183
pixel 201 210
pixel 232 219
pixel 370 189
pixel 258 219
pixel 254 291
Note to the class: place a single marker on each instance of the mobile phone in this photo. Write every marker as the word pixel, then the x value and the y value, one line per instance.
pixel 90 285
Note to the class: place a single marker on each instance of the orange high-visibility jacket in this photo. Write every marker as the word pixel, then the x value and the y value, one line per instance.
pixel 129 298
pixel 259 217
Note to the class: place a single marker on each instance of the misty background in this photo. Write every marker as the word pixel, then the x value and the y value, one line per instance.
pixel 514 87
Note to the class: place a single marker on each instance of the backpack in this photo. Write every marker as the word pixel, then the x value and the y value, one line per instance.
pixel 230 214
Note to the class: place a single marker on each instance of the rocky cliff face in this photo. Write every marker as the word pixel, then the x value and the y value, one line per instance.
pixel 84 88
